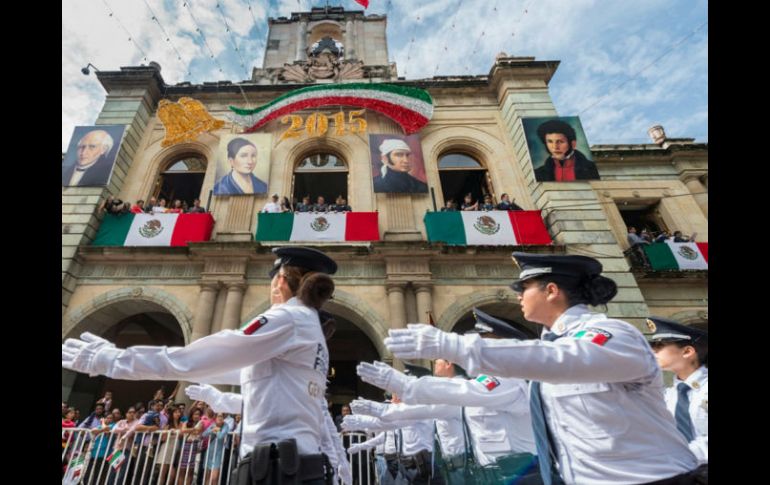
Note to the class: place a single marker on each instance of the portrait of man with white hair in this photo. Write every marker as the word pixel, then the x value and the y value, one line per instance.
pixel 91 155
pixel 397 164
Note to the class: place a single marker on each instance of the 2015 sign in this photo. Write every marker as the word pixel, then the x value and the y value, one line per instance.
pixel 317 124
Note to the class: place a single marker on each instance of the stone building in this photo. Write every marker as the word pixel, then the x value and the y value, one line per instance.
pixel 473 143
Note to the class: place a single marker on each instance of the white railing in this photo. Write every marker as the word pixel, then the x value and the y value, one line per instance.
pixel 168 458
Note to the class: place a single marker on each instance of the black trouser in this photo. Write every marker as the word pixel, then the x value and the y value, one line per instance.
pixel 699 476
pixel 225 465
pixel 419 468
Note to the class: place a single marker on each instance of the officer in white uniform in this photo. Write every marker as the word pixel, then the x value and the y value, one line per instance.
pixel 683 350
pixel 413 442
pixel 229 402
pixel 279 357
pixel 448 428
pixel 497 412
pixel 596 398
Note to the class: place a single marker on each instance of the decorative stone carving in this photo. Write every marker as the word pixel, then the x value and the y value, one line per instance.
pixel 324 62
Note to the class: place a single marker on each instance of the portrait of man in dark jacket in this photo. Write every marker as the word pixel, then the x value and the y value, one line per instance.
pixel 565 163
pixel 89 162
pixel 396 166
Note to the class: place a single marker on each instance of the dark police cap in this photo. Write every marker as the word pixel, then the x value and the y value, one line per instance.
pixel 535 265
pixel 309 258
pixel 416 370
pixel 665 330
pixel 486 323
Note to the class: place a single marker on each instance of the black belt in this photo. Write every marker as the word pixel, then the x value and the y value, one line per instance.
pixel 280 463
pixel 390 456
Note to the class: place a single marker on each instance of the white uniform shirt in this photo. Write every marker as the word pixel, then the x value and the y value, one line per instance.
pixel 603 397
pixel 699 409
pixel 414 435
pixel 418 436
pixel 281 367
pixel 497 411
pixel 272 207
pixel 448 419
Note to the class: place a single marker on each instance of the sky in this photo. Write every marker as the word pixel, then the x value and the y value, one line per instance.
pixel 624 65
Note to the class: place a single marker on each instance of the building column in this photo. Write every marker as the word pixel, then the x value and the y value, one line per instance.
pixel 301 41
pixel 396 305
pixel 204 310
pixel 424 301
pixel 233 305
pixel 350 39
pixel 397 311
pixel 698 191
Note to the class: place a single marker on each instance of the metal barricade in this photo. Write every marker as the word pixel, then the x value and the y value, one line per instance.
pixel 171 457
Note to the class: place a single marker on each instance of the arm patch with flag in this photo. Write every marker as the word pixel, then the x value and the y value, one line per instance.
pixel 488 381
pixel 598 336
pixel 254 325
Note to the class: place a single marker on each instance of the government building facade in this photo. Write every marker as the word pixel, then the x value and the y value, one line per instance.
pixel 473 143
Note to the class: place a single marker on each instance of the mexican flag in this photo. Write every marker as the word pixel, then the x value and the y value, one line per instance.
pixel 318 226
pixel 116 459
pixel 486 228
pixel 153 229
pixel 674 256
pixel 74 471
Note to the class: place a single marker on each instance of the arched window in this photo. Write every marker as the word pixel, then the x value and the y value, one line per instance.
pixel 461 174
pixel 323 174
pixel 181 178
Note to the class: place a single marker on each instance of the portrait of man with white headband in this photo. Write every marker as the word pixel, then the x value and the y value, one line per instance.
pixel 395 168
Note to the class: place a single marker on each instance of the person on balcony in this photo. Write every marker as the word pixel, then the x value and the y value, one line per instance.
pixel 468 204
pixel 273 206
pixel 305 205
pixel 506 204
pixel 487 205
pixel 340 205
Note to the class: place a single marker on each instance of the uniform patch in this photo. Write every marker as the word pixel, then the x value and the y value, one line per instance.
pixel 598 336
pixel 488 381
pixel 254 325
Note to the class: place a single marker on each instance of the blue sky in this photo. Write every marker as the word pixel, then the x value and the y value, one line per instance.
pixel 625 65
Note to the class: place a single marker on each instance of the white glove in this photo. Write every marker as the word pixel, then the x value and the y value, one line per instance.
pixel 203 392
pixel 90 354
pixel 370 408
pixel 421 341
pixel 356 448
pixel 383 376
pixel 356 422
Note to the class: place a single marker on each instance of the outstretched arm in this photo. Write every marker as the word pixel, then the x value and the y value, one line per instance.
pixel 261 339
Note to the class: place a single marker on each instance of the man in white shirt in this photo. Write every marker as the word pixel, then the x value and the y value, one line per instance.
pixel 273 206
